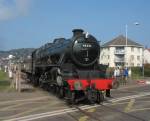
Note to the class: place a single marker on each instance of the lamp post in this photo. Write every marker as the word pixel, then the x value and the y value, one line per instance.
pixel 126 36
pixel 126 30
pixel 143 66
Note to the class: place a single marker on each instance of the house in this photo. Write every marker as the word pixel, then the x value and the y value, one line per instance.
pixel 147 56
pixel 121 52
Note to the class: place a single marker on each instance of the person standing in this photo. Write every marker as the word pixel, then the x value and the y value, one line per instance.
pixel 116 78
pixel 125 73
pixel 10 74
pixel 5 68
pixel 121 75
pixel 117 73
pixel 129 72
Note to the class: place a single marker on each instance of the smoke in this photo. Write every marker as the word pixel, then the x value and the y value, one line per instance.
pixel 13 8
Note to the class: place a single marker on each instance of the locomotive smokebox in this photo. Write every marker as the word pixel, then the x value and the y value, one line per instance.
pixel 77 32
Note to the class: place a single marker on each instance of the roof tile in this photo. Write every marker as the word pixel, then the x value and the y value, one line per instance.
pixel 121 40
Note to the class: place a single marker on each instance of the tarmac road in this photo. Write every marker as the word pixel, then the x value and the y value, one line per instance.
pixel 129 103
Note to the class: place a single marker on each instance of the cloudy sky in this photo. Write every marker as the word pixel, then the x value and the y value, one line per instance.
pixel 32 23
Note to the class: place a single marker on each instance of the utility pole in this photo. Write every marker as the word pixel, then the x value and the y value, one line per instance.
pixel 126 29
pixel 126 44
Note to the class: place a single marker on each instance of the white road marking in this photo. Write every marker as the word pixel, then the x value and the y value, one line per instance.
pixel 12 107
pixel 83 118
pixel 49 114
pixel 130 105
pixel 143 109
pixel 130 97
pixel 23 100
pixel 69 110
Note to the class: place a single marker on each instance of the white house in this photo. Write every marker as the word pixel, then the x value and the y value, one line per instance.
pixel 121 52
pixel 147 56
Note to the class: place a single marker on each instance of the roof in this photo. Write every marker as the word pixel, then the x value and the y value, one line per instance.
pixel 121 41
pixel 148 49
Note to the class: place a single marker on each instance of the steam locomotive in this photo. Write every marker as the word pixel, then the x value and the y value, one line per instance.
pixel 70 68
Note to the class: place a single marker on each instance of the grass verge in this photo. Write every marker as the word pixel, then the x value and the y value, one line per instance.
pixel 4 81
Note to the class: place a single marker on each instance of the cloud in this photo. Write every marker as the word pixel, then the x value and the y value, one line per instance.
pixel 13 8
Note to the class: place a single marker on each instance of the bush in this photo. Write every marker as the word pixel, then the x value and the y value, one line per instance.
pixel 137 72
pixel 3 75
pixel 147 70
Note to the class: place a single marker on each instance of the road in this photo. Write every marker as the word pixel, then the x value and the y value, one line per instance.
pixel 128 103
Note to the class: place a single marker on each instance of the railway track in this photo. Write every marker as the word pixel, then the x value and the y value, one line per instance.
pixel 80 109
pixel 95 117
pixel 101 110
pixel 107 106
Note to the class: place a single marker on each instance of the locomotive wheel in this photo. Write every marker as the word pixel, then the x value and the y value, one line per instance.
pixel 40 82
pixel 53 89
pixel 92 96
pixel 72 100
pixel 70 97
pixel 36 81
pixel 100 97
pixel 46 86
pixel 57 90
pixel 60 92
pixel 41 85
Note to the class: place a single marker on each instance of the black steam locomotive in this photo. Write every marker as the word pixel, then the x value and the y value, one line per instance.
pixel 70 68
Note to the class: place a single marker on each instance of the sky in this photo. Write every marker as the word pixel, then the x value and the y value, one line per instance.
pixel 32 23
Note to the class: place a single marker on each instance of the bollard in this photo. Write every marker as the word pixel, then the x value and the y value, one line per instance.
pixel 18 81
pixel 13 80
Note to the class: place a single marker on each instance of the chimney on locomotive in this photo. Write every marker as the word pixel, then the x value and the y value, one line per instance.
pixel 77 32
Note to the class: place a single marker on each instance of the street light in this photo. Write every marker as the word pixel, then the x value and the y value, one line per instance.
pixel 126 29
pixel 126 36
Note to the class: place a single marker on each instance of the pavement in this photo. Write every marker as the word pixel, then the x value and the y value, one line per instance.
pixel 144 80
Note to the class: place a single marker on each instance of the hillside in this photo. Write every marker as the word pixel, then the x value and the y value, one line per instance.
pixel 23 52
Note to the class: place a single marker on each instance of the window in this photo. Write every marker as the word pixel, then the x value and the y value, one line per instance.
pixel 106 49
pixel 119 50
pixel 138 64
pixel 138 57
pixel 132 57
pixel 132 49
pixel 132 64
pixel 108 56
pixel 138 49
